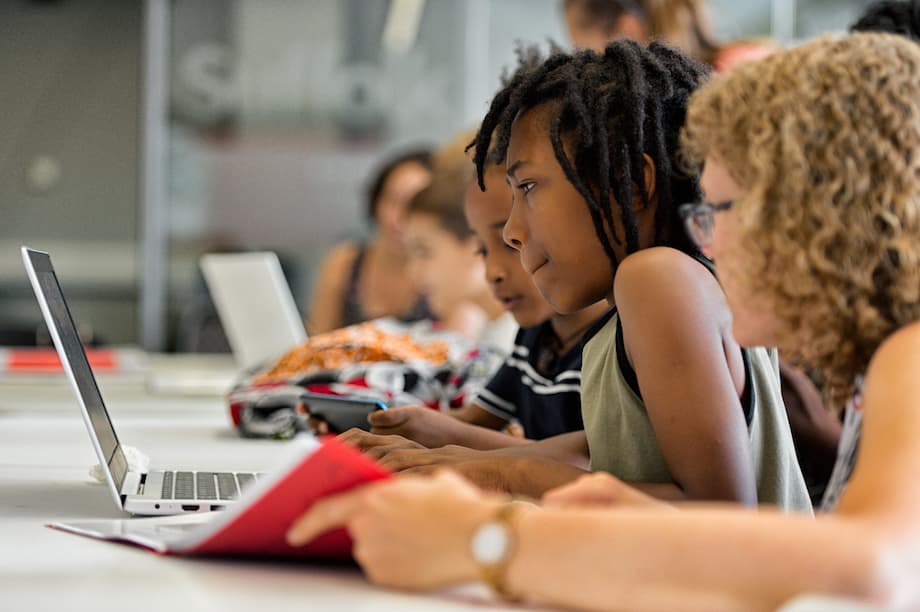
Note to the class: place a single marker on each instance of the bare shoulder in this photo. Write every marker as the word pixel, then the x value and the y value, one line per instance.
pixel 339 260
pixel 341 256
pixel 666 278
pixel 897 359
pixel 884 478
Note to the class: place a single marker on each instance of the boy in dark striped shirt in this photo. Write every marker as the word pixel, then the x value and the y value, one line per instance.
pixel 539 384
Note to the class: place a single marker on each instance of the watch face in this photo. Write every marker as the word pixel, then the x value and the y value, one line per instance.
pixel 490 543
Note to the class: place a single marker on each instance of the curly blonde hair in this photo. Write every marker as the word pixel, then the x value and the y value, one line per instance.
pixel 824 141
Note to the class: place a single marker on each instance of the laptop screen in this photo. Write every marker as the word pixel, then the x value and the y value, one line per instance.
pixel 255 305
pixel 73 357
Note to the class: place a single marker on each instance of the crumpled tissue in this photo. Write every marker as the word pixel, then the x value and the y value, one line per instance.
pixel 137 462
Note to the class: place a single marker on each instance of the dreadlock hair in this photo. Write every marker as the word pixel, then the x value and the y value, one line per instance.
pixel 892 16
pixel 608 110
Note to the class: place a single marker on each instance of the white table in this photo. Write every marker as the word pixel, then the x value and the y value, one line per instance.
pixel 45 454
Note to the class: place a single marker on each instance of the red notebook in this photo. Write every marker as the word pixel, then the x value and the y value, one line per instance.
pixel 256 524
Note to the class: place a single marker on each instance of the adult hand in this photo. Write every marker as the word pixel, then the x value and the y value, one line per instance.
pixel 428 427
pixel 408 532
pixel 598 489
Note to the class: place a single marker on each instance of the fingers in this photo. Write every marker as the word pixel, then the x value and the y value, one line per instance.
pixel 327 514
pixel 394 417
pixel 379 452
pixel 318 426
pixel 422 470
pixel 363 440
pixel 405 458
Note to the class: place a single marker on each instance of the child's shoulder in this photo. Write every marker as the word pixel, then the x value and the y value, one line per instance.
pixel 663 269
pixel 663 284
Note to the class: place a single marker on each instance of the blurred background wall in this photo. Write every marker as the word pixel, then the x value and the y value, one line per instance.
pixel 273 113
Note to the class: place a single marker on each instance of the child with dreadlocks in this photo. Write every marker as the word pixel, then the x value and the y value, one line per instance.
pixel 671 404
pixel 814 257
pixel 538 386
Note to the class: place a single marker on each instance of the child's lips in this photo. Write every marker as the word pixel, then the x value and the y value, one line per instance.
pixel 510 303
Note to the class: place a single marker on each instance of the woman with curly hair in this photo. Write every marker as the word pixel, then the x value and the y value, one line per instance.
pixel 812 178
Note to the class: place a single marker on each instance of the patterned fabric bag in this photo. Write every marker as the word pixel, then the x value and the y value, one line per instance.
pixel 388 360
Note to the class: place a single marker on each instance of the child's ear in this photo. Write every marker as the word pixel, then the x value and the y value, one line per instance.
pixel 648 177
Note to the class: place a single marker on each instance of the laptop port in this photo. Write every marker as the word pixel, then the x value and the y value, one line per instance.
pixel 190 507
pixel 213 507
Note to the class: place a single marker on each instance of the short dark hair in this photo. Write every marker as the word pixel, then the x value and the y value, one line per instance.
pixel 611 109
pixel 443 199
pixel 417 155
pixel 892 16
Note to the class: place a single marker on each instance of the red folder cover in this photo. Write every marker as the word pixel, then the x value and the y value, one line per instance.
pixel 256 524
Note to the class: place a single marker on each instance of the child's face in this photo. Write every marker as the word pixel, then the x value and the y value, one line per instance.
pixel 446 270
pixel 752 324
pixel 486 212
pixel 550 224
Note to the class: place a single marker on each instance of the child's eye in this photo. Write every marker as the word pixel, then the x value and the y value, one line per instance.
pixel 526 187
pixel 481 251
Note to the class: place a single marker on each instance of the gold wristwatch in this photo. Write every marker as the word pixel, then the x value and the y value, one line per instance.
pixel 493 544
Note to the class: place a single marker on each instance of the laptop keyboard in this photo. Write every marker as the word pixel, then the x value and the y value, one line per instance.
pixel 205 485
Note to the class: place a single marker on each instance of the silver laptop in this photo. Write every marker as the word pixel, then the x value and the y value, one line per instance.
pixel 153 492
pixel 255 305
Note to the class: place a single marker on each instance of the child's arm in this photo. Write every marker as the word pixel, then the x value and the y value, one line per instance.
pixel 702 558
pixel 677 333
pixel 530 468
pixel 470 426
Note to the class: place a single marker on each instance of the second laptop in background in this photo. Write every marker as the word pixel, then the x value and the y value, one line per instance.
pixel 255 305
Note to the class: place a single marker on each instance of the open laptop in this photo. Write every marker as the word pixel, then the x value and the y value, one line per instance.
pixel 255 305
pixel 153 492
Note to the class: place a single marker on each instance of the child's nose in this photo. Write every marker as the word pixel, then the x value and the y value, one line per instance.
pixel 495 274
pixel 512 234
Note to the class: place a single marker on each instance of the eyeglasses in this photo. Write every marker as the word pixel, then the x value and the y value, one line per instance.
pixel 698 220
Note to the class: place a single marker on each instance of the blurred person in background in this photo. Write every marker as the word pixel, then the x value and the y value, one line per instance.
pixel 361 281
pixel 445 264
pixel 682 23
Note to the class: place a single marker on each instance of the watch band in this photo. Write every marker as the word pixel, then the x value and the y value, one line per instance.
pixel 494 574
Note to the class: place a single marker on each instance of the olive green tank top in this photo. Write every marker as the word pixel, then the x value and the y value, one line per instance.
pixel 621 440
